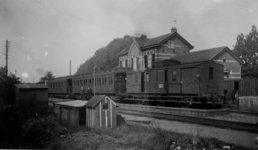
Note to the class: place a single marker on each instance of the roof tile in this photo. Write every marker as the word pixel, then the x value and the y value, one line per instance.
pixel 198 56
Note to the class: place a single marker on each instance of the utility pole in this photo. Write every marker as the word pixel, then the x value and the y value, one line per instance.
pixel 6 56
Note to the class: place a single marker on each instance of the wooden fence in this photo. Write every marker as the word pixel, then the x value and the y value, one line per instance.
pixel 246 87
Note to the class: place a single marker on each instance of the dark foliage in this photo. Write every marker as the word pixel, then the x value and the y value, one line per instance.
pixel 49 75
pixel 106 57
pixel 27 127
pixel 247 49
pixel 7 88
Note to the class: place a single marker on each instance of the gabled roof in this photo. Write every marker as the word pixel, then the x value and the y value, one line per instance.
pixel 157 41
pixel 203 55
pixel 76 103
pixel 31 86
pixel 140 41
pixel 93 102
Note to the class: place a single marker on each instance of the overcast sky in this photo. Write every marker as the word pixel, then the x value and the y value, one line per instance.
pixel 45 34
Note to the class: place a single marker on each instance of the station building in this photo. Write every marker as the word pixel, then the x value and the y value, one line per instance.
pixel 143 52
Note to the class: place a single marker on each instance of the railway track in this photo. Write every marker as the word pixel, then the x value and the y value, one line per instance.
pixel 239 126
pixel 243 112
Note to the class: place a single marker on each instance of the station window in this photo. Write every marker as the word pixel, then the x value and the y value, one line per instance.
pixel 173 75
pixel 89 81
pixel 171 44
pixel 210 73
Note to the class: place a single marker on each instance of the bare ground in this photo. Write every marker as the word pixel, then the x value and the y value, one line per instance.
pixel 229 136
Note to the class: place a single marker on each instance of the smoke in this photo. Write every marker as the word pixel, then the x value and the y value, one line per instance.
pixel 41 71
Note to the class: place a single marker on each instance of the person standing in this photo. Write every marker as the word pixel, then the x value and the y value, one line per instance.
pixel 237 97
pixel 233 96
pixel 225 95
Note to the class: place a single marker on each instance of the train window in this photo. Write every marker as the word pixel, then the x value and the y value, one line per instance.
pixel 85 82
pixel 89 82
pixel 147 77
pixel 110 81
pixel 174 76
pixel 210 73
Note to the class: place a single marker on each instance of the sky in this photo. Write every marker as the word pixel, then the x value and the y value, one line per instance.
pixel 44 35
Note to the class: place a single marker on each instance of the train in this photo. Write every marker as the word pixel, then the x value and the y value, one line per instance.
pixel 168 81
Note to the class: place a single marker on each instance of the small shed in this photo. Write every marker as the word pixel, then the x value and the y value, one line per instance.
pixel 101 112
pixel 71 111
pixel 31 94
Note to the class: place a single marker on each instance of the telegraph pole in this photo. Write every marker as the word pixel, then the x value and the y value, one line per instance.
pixel 6 56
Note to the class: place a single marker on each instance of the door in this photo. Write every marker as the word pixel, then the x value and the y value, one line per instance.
pixel 69 86
pixel 166 80
pixel 142 82
pixel 190 83
pixel 236 86
pixel 120 83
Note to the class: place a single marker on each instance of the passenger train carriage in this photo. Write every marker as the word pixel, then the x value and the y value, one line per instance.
pixel 169 80
pixel 110 83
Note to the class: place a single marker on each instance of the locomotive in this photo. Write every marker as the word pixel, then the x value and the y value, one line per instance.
pixel 168 81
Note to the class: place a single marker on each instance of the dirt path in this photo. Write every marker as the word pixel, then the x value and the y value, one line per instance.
pixel 230 136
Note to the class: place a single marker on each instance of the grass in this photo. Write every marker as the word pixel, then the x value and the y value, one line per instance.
pixel 156 138
pixel 45 130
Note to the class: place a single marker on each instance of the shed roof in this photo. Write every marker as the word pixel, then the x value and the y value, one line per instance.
pixel 76 103
pixel 199 56
pixel 31 86
pixel 93 102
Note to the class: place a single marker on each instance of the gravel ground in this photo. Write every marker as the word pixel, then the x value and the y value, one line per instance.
pixel 237 117
pixel 230 136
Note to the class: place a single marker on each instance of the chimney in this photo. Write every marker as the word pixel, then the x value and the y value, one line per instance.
pixel 143 36
pixel 70 67
pixel 173 29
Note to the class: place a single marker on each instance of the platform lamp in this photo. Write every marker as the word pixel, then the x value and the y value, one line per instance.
pixel 94 79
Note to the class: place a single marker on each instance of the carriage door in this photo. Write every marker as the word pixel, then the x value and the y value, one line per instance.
pixel 190 83
pixel 166 80
pixel 69 86
pixel 120 83
pixel 142 82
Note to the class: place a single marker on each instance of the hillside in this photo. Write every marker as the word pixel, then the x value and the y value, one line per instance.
pixel 106 57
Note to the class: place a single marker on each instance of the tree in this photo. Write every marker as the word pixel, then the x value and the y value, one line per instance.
pixel 247 49
pixel 7 87
pixel 49 75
